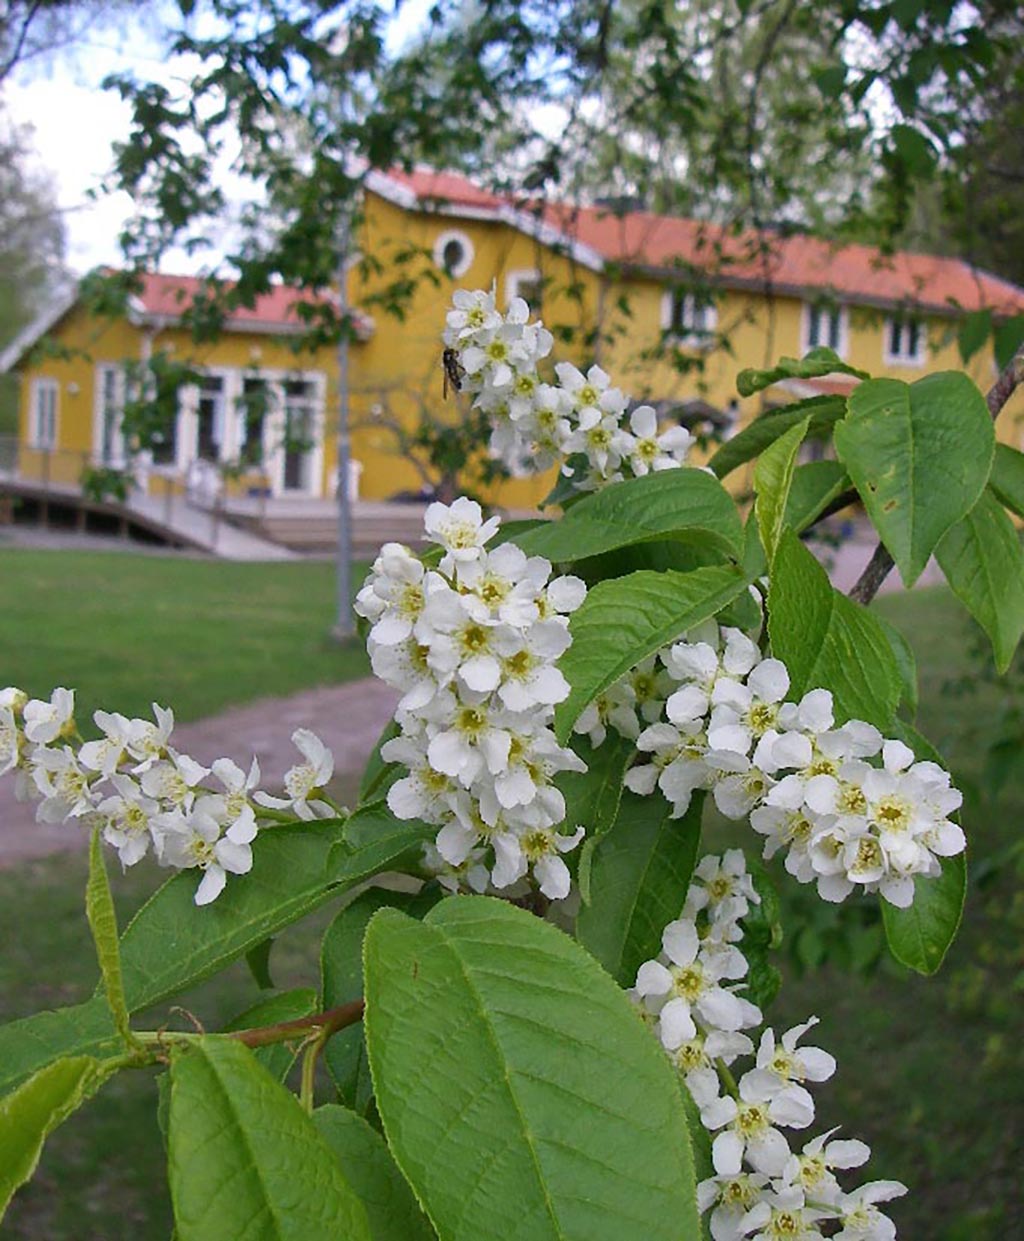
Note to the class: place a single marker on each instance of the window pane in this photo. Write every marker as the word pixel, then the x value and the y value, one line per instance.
pixel 913 339
pixel 814 327
pixel 834 326
pixel 895 337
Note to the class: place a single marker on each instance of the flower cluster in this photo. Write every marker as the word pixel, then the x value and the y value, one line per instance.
pixel 846 823
pixel 536 424
pixel 762 1188
pixel 144 794
pixel 472 647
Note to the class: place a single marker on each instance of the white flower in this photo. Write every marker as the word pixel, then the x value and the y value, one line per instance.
pixel 394 594
pixel 538 850
pixel 63 785
pixel 234 805
pixel 10 740
pixel 650 451
pixel 792 829
pixel 791 1063
pixel 48 721
pixel 106 756
pixel 732 1197
pixel 564 594
pixel 126 816
pixel 749 1125
pixel 472 742
pixel 686 985
pixel 147 741
pixel 743 713
pixel 424 793
pixel 861 1219
pixel 174 781
pixel 194 839
pixel 460 529
pixel 474 313
pixel 812 1168
pixel 783 1214
pixel 529 678
pixel 13 699
pixel 616 706
pixel 305 782
pixel 471 873
pixel 725 889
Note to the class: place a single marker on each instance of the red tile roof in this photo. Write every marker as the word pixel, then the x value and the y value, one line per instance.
pixel 796 264
pixel 164 295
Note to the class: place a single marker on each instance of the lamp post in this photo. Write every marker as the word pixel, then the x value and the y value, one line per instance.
pixel 344 627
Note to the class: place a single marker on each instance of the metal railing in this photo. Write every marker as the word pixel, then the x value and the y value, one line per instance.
pixel 189 505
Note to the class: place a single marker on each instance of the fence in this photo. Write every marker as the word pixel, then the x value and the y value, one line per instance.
pixel 182 506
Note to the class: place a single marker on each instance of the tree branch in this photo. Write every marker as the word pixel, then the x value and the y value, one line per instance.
pixel 328 1023
pixel 881 563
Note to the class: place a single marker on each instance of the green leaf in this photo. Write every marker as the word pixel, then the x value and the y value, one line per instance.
pixel 521 1095
pixel 974 331
pixel 684 503
pixel 920 935
pixel 170 944
pixel 258 961
pixel 638 882
pixel 823 411
pixel 827 641
pixel 762 934
pixel 31 1043
pixel 244 1159
pixel 983 562
pixel 341 974
pixel 36 1108
pixel 920 455
pixel 815 486
pixel 906 663
pixel 914 149
pixel 391 1208
pixel 1007 339
pixel 375 773
pixel 773 478
pixel 814 364
pixel 623 621
pixel 277 1058
pixel 1007 479
pixel 592 796
pixel 99 910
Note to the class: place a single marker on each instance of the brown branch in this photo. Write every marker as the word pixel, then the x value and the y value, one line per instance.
pixel 881 563
pixel 328 1023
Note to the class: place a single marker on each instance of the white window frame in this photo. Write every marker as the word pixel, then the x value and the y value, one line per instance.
pixel 101 371
pixel 704 339
pixel 52 387
pixel 468 253
pixel 274 426
pixel 514 280
pixel 824 308
pixel 904 359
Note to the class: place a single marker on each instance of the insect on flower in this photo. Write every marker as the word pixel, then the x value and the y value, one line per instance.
pixel 453 371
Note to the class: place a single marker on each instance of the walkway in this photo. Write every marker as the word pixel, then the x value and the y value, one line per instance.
pixel 348 718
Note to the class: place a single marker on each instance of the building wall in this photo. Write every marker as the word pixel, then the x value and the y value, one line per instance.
pixel 397 372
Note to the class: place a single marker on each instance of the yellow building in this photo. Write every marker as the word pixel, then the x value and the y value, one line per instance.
pixel 672 309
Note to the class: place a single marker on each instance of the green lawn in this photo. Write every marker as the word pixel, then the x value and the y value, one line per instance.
pixel 198 635
pixel 931 1072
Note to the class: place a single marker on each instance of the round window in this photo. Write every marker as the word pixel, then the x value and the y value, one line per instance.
pixel 453 253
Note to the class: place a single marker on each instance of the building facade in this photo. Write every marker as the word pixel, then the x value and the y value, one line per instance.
pixel 672 309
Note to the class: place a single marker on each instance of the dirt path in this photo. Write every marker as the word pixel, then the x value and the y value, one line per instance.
pixel 348 718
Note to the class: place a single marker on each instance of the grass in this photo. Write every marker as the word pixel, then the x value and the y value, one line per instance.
pixel 199 635
pixel 931 1071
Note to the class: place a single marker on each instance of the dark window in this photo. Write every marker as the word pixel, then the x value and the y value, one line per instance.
pixel 210 417
pixel 692 314
pixel 824 327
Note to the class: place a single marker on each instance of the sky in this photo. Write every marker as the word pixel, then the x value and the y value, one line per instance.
pixel 75 123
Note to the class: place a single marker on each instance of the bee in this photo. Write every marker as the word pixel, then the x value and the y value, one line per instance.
pixel 453 371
